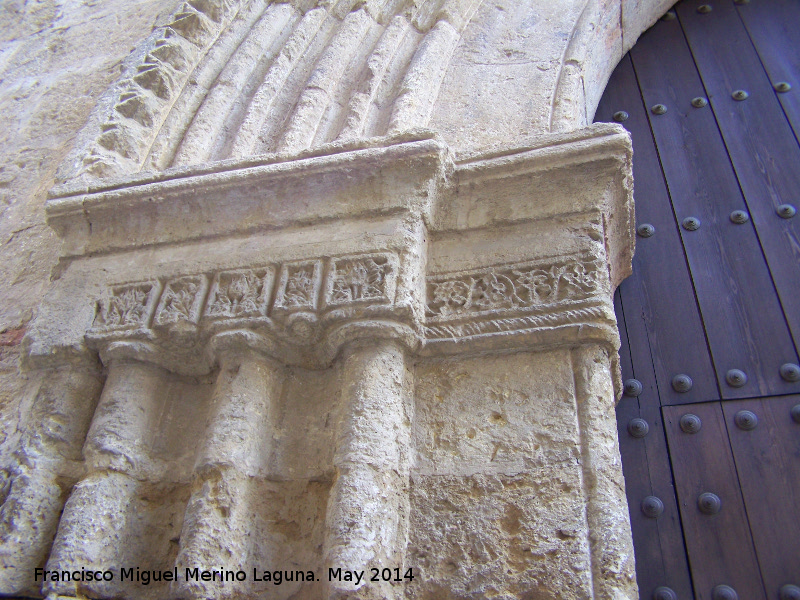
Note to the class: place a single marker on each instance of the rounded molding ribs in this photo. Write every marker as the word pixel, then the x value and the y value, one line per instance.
pixel 235 445
pixel 98 519
pixel 367 517
pixel 52 439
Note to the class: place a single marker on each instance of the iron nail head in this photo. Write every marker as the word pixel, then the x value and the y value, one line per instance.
pixel 690 423
pixel 736 378
pixel 662 592
pixel 789 591
pixel 708 503
pixel 740 217
pixel 652 507
pixel 645 230
pixel 638 428
pixel 691 223
pixel 740 95
pixel 724 592
pixel 790 372
pixel 746 420
pixel 620 116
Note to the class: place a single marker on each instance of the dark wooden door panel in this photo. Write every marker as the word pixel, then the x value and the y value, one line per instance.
pixel 773 27
pixel 659 545
pixel 768 463
pixel 659 300
pixel 720 546
pixel 731 279
pixel 723 296
pixel 759 140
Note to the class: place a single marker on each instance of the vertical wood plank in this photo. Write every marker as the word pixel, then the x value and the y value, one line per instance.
pixel 761 146
pixel 661 309
pixel 773 28
pixel 720 546
pixel 731 279
pixel 768 462
pixel 660 549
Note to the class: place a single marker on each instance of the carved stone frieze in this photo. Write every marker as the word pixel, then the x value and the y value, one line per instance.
pixel 505 298
pixel 240 293
pixel 181 300
pixel 361 279
pixel 127 307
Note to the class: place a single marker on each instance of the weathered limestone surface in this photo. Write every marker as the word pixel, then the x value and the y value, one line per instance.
pixel 56 58
pixel 325 285
pixel 497 496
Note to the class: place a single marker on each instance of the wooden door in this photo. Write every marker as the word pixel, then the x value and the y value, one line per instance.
pixel 710 318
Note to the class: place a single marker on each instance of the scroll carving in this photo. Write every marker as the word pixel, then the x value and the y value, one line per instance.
pixel 507 288
pixel 514 297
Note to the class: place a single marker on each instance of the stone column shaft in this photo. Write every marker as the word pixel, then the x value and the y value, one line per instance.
pixel 218 517
pixel 55 431
pixel 367 517
pixel 93 531
pixel 611 544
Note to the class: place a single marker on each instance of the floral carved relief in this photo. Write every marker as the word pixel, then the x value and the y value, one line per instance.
pixel 246 293
pixel 181 300
pixel 361 278
pixel 127 306
pixel 501 298
pixel 510 298
pixel 240 293
pixel 510 287
pixel 299 285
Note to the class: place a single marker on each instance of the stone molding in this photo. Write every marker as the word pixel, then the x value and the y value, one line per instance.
pixel 509 298
pixel 118 133
pixel 236 197
pixel 231 79
pixel 358 263
pixel 304 307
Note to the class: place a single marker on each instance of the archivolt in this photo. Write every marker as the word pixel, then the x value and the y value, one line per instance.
pixel 226 79
pixel 605 31
pixel 234 78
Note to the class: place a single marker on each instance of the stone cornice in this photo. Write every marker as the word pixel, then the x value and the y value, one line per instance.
pixel 340 181
pixel 404 257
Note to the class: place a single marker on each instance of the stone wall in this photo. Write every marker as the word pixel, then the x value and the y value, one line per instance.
pixel 324 285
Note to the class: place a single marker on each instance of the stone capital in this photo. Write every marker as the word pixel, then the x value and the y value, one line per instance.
pixel 394 238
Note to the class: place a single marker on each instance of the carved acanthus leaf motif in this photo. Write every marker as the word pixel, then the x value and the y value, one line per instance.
pixel 359 279
pixel 180 301
pixel 240 294
pixel 126 307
